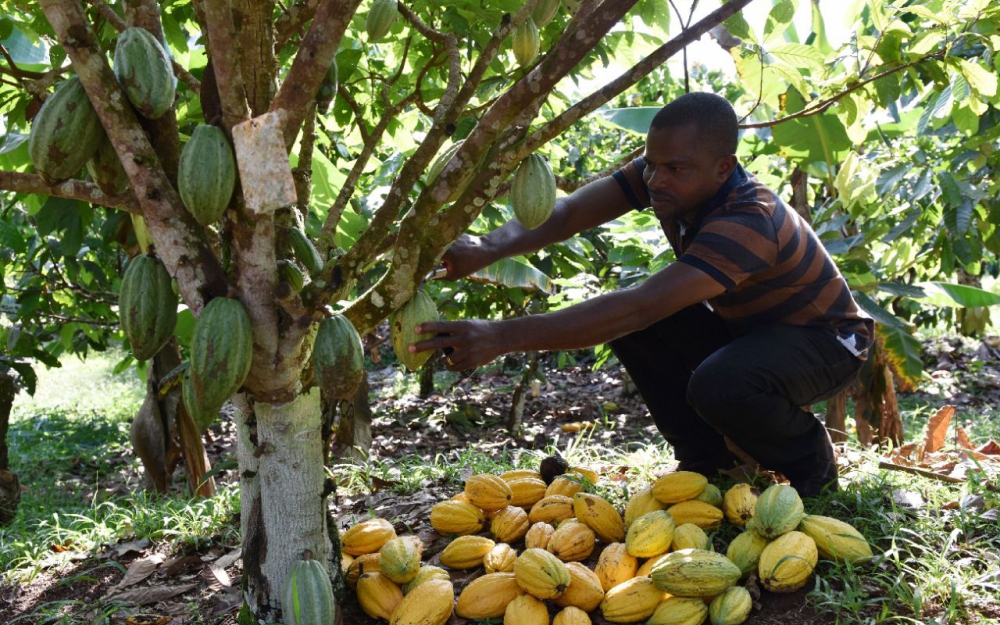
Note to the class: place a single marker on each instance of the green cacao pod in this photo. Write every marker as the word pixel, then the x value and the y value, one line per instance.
pixel 221 352
pixel 544 11
pixel 207 174
pixel 744 551
pixel 327 89
pixel 526 43
pixel 308 595
pixel 305 252
pixel 106 169
pixel 144 71
pixel 711 495
pixel 338 357
pixel 202 417
pixel 679 611
pixel 147 306
pixel 694 573
pixel 289 272
pixel 65 133
pixel 835 539
pixel 778 510
pixel 419 309
pixel 380 19
pixel 533 193
pixel 732 607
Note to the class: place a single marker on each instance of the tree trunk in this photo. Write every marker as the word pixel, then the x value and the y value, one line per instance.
pixel 515 418
pixel 836 417
pixel 280 455
pixel 10 487
pixel 354 432
pixel 427 378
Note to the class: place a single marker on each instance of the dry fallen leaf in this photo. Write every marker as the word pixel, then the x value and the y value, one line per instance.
pixel 963 439
pixel 937 429
pixel 152 594
pixel 140 570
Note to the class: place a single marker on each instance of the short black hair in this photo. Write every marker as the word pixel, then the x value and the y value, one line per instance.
pixel 712 115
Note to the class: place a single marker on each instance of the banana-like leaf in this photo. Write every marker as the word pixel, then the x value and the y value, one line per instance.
pixel 515 273
pixel 958 295
pixel 634 119
pixel 904 354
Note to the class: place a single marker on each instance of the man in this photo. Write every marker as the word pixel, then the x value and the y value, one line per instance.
pixel 751 323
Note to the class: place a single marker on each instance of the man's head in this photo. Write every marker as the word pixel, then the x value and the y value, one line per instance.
pixel 689 153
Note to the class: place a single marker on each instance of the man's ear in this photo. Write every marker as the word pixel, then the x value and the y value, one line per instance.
pixel 725 165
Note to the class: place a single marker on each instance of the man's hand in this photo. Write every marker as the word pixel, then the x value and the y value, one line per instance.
pixel 472 343
pixel 466 256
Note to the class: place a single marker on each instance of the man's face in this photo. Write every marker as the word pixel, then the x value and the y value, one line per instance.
pixel 681 172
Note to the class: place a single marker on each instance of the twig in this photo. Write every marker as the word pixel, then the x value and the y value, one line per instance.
pixel 931 475
pixel 69 189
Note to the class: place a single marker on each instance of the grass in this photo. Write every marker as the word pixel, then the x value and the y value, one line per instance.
pixel 936 550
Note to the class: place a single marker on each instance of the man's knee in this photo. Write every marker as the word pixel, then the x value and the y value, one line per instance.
pixel 710 393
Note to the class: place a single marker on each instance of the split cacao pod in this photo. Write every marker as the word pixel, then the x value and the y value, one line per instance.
pixel 147 306
pixel 144 71
pixel 206 174
pixel 65 133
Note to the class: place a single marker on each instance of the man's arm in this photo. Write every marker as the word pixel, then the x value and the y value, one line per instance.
pixel 587 207
pixel 589 323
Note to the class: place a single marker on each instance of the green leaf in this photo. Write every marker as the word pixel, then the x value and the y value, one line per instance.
pixel 779 18
pixel 655 14
pixel 70 217
pixel 878 313
pixel 813 139
pixel 819 29
pixel 905 352
pixel 902 290
pixel 950 191
pixel 24 52
pixel 635 119
pixel 799 56
pixel 952 295
pixel 982 81
pixel 515 273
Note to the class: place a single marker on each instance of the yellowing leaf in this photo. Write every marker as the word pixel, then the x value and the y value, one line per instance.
pixel 980 80
pixel 937 429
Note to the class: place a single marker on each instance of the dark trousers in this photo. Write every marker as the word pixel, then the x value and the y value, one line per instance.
pixel 703 379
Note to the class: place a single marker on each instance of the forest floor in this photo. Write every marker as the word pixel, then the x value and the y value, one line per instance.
pixel 423 448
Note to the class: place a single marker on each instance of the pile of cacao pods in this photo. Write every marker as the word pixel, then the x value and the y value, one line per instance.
pixel 532 540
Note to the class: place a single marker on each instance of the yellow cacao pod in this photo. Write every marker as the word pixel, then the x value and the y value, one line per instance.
pixel 615 565
pixel 526 42
pixel 584 590
pixel 646 570
pixel 744 551
pixel 466 552
pixel 711 495
pixel 456 518
pixel 571 542
pixel 367 563
pixel 679 486
pixel 517 474
pixel 632 601
pixel 488 596
pixel 694 573
pixel 500 559
pixel 488 492
pixel 430 603
pixel 510 524
pixel 345 561
pixel 462 497
pixel 571 616
pixel 690 536
pixel 399 558
pixel 526 610
pixel 650 535
pixel 378 595
pixel 541 574
pixel 704 515
pixel 366 537
pixel 732 607
pixel 526 491
pixel 787 562
pixel 600 516
pixel 778 510
pixel 739 503
pixel 426 573
pixel 836 540
pixel 587 477
pixel 551 509
pixel 642 503
pixel 564 485
pixel 679 611
pixel 539 535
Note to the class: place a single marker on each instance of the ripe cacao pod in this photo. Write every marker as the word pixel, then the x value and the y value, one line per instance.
pixel 526 610
pixel 690 536
pixel 510 524
pixel 739 503
pixel 206 174
pixel 544 11
pixel 105 169
pixel 221 352
pixel 778 510
pixel 378 595
pixel 541 574
pixel 632 601
pixel 147 306
pixel 466 552
pixel 650 535
pixel 732 607
pixel 836 540
pixel 600 516
pixel 338 357
pixel 744 551
pixel 380 19
pixel 571 616
pixel 366 563
pixel 705 516
pixel 456 518
pixel 526 491
pixel 584 589
pixel 65 133
pixel 646 570
pixel 695 573
pixel 307 596
pixel 615 566
pixel 526 43
pixel 564 485
pixel 571 542
pixel 787 562
pixel 551 509
pixel 516 474
pixel 367 536
pixel 500 559
pixel 430 603
pixel 399 558
pixel 640 504
pixel 679 486
pixel 144 71
pixel 427 572
pixel 419 309
pixel 533 192
pixel 487 492
pixel 488 596
pixel 679 611
pixel 539 535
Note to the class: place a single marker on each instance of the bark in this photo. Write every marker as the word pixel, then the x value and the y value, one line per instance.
pixel 10 487
pixel 284 506
pixel 354 431
pixel 836 417
pixel 427 378
pixel 516 416
pixel 20 182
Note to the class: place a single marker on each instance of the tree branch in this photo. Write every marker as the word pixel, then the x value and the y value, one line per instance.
pixel 179 240
pixel 315 54
pixel 19 182
pixel 292 21
pixel 225 50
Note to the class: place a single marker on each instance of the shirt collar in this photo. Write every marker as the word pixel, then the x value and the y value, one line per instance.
pixel 738 176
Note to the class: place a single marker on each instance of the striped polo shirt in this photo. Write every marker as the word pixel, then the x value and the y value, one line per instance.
pixel 772 264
